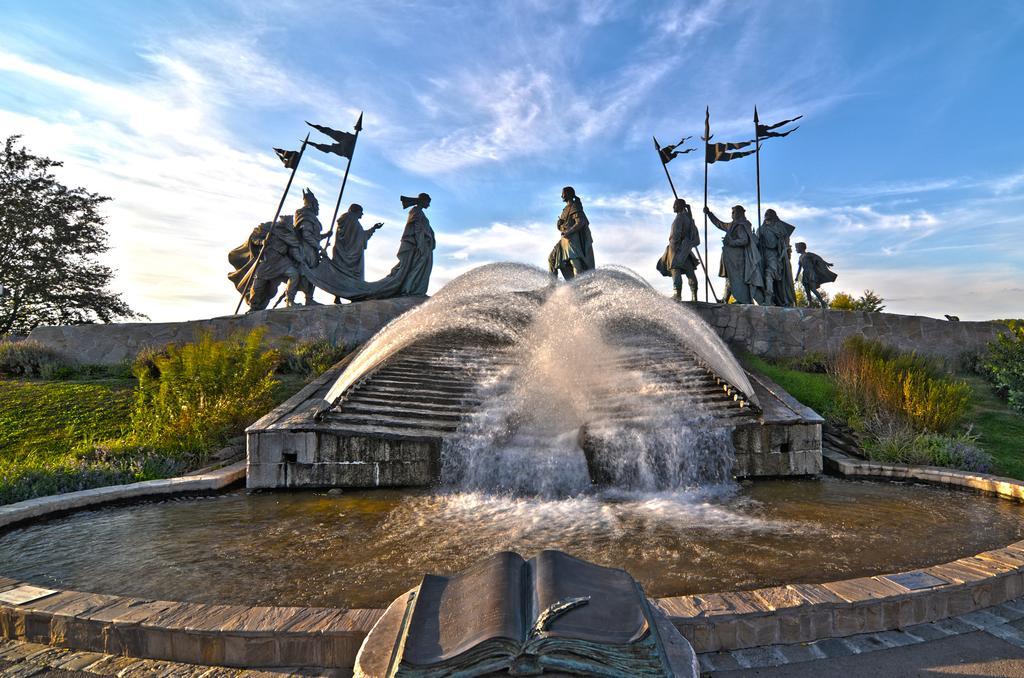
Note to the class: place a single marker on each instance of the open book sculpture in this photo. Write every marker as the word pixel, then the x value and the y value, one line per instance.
pixel 552 614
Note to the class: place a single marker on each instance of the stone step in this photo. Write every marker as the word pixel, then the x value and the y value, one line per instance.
pixel 400 410
pixel 381 421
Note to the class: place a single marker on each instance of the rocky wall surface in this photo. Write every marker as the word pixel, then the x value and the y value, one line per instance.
pixel 774 332
pixel 348 324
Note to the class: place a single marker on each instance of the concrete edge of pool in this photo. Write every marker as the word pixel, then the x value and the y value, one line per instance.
pixel 245 636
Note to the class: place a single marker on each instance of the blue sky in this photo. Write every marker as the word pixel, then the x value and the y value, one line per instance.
pixel 907 171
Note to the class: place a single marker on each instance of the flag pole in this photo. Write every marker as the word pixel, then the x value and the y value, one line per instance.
pixel 344 179
pixel 664 166
pixel 757 158
pixel 263 248
pixel 707 138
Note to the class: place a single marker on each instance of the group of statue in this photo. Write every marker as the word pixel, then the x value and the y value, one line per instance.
pixel 290 252
pixel 756 266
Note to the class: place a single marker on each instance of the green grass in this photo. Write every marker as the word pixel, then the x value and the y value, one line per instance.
pixel 816 390
pixel 1001 428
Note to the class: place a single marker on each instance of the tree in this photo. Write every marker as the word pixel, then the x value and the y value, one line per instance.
pixel 869 301
pixel 50 239
pixel 843 302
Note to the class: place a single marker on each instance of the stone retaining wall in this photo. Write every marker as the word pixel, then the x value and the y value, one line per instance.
pixel 774 332
pixel 342 324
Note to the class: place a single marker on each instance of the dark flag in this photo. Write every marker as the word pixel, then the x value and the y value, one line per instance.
pixel 765 131
pixel 720 152
pixel 345 142
pixel 289 158
pixel 669 152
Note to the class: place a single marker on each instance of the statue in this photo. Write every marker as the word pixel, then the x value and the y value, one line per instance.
pixel 813 272
pixel 350 242
pixel 307 227
pixel 741 261
pixel 574 252
pixel 773 242
pixel 280 246
pixel 678 259
pixel 410 276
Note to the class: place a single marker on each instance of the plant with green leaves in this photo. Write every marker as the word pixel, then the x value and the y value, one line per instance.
pixel 1003 366
pixel 192 397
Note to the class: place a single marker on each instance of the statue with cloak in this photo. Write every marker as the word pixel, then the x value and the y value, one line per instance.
pixel 773 242
pixel 812 272
pixel 278 264
pixel 409 277
pixel 307 227
pixel 350 241
pixel 574 252
pixel 678 259
pixel 741 260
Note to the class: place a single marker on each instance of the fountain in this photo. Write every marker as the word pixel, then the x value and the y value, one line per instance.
pixel 507 381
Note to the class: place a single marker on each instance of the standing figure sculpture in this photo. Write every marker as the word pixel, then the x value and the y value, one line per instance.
pixel 416 250
pixel 350 243
pixel 280 248
pixel 773 242
pixel 813 272
pixel 679 259
pixel 574 252
pixel 741 260
pixel 307 226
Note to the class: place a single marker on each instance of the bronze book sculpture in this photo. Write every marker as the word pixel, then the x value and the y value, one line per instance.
pixel 509 615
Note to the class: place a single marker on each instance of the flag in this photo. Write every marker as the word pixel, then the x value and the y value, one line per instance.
pixel 669 152
pixel 289 158
pixel 345 142
pixel 765 131
pixel 720 152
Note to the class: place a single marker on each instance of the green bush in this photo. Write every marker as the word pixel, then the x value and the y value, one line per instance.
pixel 30 358
pixel 873 378
pixel 1004 365
pixel 193 397
pixel 892 440
pixel 311 358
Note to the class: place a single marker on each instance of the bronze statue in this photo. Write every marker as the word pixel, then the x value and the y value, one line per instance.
pixel 679 259
pixel 350 242
pixel 574 252
pixel 813 272
pixel 281 250
pixel 773 242
pixel 741 261
pixel 307 227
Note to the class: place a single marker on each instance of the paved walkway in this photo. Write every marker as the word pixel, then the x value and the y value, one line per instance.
pixel 988 642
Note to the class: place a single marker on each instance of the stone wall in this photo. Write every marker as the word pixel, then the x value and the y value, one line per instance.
pixel 348 324
pixel 763 330
pixel 774 332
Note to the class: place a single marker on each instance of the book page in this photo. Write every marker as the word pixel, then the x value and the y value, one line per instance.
pixel 453 614
pixel 613 615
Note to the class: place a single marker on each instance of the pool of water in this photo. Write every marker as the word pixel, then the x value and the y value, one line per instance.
pixel 363 548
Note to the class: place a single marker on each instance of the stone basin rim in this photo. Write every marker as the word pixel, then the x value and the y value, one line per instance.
pixel 270 636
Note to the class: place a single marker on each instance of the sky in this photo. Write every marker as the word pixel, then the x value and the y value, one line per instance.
pixel 907 171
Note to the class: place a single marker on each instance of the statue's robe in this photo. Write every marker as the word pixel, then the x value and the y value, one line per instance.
pixel 681 241
pixel 409 277
pixel 576 246
pixel 741 260
pixel 773 243
pixel 349 245
pixel 815 271
pixel 307 226
pixel 278 264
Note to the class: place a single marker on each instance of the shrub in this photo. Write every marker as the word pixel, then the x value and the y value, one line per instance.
pixel 30 358
pixel 1003 366
pixel 843 302
pixel 873 378
pixel 893 440
pixel 311 358
pixel 192 397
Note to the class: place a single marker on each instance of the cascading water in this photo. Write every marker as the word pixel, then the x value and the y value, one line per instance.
pixel 572 384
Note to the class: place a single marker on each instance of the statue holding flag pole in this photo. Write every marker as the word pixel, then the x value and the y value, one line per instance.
pixel 249 267
pixel 682 256
pixel 773 234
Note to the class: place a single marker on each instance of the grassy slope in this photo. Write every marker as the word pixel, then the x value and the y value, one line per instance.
pixel 46 426
pixel 1001 429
